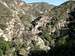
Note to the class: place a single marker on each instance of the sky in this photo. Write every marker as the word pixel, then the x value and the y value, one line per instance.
pixel 54 2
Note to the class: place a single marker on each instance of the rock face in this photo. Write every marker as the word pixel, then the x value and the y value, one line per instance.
pixel 36 26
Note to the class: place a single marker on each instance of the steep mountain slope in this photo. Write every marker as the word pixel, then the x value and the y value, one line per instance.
pixel 40 8
pixel 15 24
pixel 59 31
pixel 58 24
pixel 29 27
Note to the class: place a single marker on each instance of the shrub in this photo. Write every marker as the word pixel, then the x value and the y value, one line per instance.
pixel 3 46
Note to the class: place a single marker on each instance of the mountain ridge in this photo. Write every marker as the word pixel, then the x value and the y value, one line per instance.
pixel 29 27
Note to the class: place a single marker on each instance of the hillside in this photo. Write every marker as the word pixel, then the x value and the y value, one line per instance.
pixel 35 29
